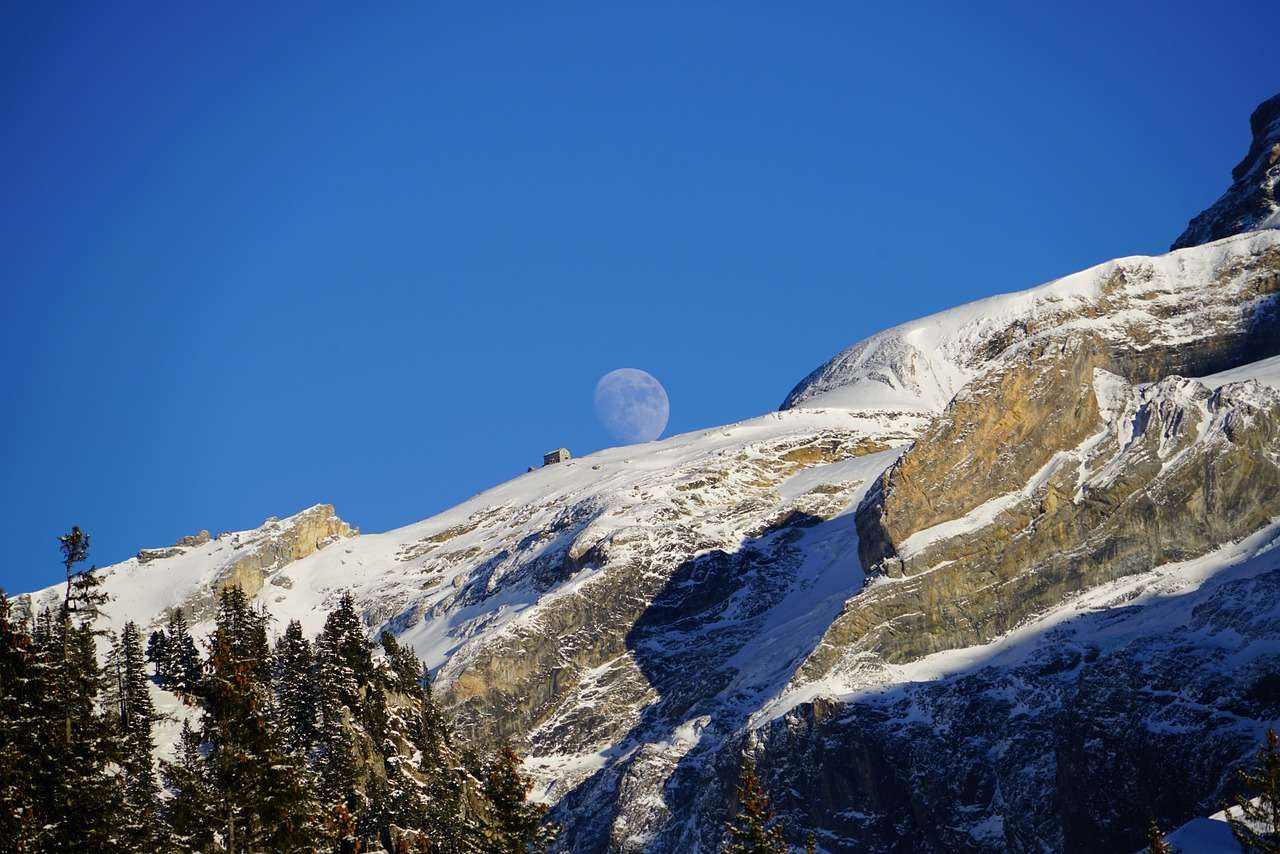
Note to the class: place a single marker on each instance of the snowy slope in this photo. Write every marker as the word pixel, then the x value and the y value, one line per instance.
pixel 919 366
pixel 634 614
pixel 425 568
pixel 1265 371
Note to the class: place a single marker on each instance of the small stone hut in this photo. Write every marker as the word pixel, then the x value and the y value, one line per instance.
pixel 559 455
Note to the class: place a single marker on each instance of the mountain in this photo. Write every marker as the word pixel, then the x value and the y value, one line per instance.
pixel 1251 201
pixel 1000 579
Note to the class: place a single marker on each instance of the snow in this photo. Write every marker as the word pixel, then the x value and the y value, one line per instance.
pixel 1210 835
pixel 829 575
pixel 1156 604
pixel 920 366
pixel 419 594
pixel 1204 836
pixel 1266 372
pixel 450 584
pixel 985 513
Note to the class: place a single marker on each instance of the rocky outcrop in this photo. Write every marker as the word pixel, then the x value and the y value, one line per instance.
pixel 1138 706
pixel 277 544
pixel 992 439
pixel 148 555
pixel 1251 202
pixel 1184 313
pixel 178 548
pixel 531 680
pixel 198 539
pixel 1161 474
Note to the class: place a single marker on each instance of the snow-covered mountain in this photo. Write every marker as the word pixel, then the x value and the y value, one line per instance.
pixel 1000 579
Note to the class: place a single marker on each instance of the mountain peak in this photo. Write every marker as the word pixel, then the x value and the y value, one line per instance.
pixel 1251 201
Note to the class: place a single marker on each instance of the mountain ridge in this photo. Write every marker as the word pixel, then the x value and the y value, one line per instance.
pixel 865 579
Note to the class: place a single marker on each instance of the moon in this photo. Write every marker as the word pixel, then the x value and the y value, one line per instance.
pixel 632 405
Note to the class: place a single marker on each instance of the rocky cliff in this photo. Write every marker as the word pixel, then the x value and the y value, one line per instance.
pixel 1251 201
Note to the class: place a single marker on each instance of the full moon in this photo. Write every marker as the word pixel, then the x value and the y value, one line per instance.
pixel 632 405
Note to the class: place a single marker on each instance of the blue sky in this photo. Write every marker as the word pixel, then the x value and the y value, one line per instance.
pixel 254 260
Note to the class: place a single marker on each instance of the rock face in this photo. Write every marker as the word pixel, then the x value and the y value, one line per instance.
pixel 1172 472
pixel 191 574
pixel 1252 201
pixel 193 540
pixel 282 543
pixel 1061 739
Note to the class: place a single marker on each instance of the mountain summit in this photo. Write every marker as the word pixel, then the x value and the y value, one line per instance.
pixel 1251 201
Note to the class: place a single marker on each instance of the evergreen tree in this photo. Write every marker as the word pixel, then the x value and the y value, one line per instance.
pixel 264 802
pixel 379 814
pixel 432 735
pixel 191 813
pixel 516 826
pixel 343 644
pixel 406 669
pixel 158 656
pixel 25 706
pixel 76 789
pixel 373 712
pixel 1256 826
pixel 246 632
pixel 811 843
pixel 136 716
pixel 753 830
pixel 443 818
pixel 335 744
pixel 295 688
pixel 182 659
pixel 1155 840
pixel 343 663
pixel 80 601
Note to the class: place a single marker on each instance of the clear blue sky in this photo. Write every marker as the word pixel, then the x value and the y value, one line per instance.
pixel 257 260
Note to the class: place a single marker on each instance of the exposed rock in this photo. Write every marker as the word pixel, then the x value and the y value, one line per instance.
pixel 1071 747
pixel 194 539
pixel 148 555
pixel 993 437
pixel 532 678
pixel 1252 201
pixel 304 534
pixel 1176 470
pixel 1189 314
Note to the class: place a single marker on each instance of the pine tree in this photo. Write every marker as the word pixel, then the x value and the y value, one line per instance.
pixel 516 825
pixel 182 659
pixel 1156 843
pixel 296 688
pixel 136 716
pixel 263 790
pixel 343 644
pixel 343 664
pixel 246 632
pixel 753 830
pixel 335 745
pixel 443 818
pixel 811 843
pixel 158 656
pixel 76 789
pixel 191 813
pixel 25 703
pixel 1256 826
pixel 80 600
pixel 405 667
